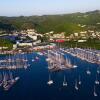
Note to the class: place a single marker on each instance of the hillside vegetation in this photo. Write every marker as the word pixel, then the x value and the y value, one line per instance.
pixel 6 43
pixel 67 23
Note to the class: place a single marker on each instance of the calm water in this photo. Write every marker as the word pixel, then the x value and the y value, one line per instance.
pixel 33 82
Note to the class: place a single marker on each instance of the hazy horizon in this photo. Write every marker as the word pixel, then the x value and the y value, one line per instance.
pixel 49 14
pixel 46 7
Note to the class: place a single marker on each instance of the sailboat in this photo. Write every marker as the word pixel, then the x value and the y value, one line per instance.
pixel 68 63
pixel 74 65
pixel 97 81
pixel 11 77
pixel 33 59
pixel 79 82
pixel 88 71
pixel 9 81
pixel 25 62
pixel 50 82
pixel 1 82
pixel 64 82
pixel 94 93
pixel 98 70
pixel 37 58
pixel 76 85
pixel 4 79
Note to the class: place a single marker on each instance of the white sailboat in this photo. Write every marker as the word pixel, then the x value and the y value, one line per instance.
pixel 50 82
pixel 88 71
pixel 37 58
pixel 64 82
pixel 1 81
pixel 79 82
pixel 94 93
pixel 5 78
pixel 25 62
pixel 76 85
pixel 98 70
pixel 11 77
pixel 33 59
pixel 75 66
pixel 68 63
pixel 97 81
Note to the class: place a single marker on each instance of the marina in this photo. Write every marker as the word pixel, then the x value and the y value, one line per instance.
pixel 56 73
pixel 89 55
pixel 49 50
pixel 57 61
pixel 13 62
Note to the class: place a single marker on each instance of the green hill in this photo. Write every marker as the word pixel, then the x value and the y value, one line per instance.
pixel 67 23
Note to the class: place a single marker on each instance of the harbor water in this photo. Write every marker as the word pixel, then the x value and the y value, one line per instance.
pixel 32 84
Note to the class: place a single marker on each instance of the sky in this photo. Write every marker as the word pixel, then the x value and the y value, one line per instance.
pixel 45 7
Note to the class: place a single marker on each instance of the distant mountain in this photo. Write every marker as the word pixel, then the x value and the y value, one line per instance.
pixel 67 23
pixel 94 12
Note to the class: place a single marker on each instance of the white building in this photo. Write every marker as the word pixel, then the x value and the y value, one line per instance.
pixel 31 31
pixel 34 37
pixel 25 44
pixel 76 34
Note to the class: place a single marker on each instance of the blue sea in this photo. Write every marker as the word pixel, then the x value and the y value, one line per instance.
pixel 32 84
